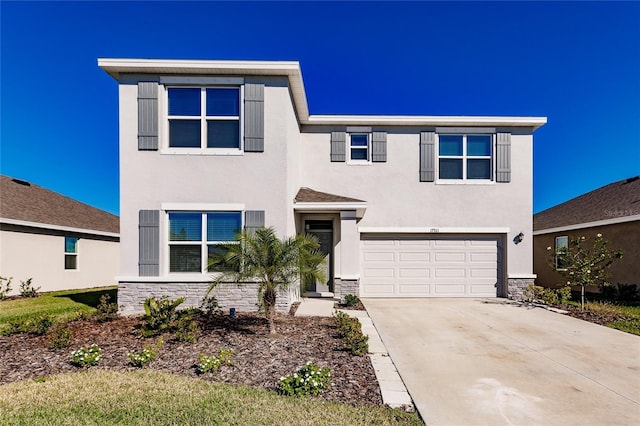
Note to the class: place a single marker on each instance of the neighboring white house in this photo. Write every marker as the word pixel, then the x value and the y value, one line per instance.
pixel 59 242
pixel 404 206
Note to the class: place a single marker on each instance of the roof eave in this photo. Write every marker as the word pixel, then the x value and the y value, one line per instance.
pixel 426 120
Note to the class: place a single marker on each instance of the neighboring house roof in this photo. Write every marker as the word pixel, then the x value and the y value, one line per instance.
pixel 115 67
pixel 24 202
pixel 307 195
pixel 616 202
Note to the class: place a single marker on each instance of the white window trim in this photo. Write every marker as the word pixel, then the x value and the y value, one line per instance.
pixel 555 250
pixel 464 157
pixel 368 148
pixel 66 253
pixel 163 107
pixel 203 243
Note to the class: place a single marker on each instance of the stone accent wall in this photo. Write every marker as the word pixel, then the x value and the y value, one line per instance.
pixel 517 286
pixel 243 297
pixel 343 287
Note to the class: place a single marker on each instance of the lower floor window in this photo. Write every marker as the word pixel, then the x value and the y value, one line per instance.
pixel 562 249
pixel 196 237
pixel 70 253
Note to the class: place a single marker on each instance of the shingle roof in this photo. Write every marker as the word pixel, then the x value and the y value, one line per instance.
pixel 307 195
pixel 21 200
pixel 616 200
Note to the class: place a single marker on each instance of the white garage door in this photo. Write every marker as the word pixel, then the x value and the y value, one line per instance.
pixel 419 266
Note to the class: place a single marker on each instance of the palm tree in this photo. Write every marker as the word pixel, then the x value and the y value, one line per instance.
pixel 275 264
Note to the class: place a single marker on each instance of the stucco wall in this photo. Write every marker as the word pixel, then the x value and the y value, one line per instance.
pixel 625 236
pixel 39 255
pixel 396 198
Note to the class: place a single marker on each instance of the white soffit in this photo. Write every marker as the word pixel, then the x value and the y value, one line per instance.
pixel 291 69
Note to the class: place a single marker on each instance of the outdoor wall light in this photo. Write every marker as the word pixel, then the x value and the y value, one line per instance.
pixel 518 238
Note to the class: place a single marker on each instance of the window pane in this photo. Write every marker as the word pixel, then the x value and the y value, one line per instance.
pixel 562 243
pixel 184 134
pixel 70 261
pixel 479 169
pixel 359 140
pixel 450 168
pixel 223 102
pixel 359 154
pixel 479 145
pixel 223 134
pixel 184 101
pixel 450 144
pixel 185 227
pixel 223 226
pixel 217 252
pixel 70 245
pixel 185 259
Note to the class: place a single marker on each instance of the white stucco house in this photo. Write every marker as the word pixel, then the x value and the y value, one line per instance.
pixel 404 206
pixel 61 243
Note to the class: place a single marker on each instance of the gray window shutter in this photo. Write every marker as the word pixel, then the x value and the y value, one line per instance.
pixel 427 156
pixel 254 117
pixel 253 219
pixel 338 142
pixel 379 147
pixel 503 157
pixel 149 241
pixel 147 116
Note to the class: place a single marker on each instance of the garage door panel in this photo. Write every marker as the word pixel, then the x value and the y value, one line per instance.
pixel 427 266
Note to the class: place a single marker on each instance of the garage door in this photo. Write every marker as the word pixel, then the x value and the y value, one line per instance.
pixel 419 266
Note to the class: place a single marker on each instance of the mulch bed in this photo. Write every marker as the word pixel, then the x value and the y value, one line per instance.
pixel 259 359
pixel 595 317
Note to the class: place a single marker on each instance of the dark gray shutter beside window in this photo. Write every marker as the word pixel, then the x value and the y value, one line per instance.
pixel 379 147
pixel 503 157
pixel 147 116
pixel 149 241
pixel 427 156
pixel 338 142
pixel 253 219
pixel 254 117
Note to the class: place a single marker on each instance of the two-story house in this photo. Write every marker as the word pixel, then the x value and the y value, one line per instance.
pixel 404 206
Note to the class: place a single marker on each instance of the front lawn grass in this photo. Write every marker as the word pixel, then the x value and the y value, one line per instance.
pixel 631 323
pixel 150 397
pixel 60 305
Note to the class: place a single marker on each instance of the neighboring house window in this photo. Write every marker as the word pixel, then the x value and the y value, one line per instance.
pixel 359 148
pixel 464 157
pixel 562 248
pixel 204 117
pixel 195 236
pixel 70 253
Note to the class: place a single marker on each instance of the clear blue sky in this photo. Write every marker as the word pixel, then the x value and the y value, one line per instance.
pixel 576 63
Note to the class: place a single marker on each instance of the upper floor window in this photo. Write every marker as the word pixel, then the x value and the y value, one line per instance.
pixel 359 147
pixel 562 248
pixel 70 253
pixel 194 237
pixel 465 157
pixel 204 117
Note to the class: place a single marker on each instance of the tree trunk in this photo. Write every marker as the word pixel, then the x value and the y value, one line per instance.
pixel 269 299
pixel 582 299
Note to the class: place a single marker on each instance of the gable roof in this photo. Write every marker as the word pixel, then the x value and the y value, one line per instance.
pixel 618 200
pixel 308 195
pixel 22 201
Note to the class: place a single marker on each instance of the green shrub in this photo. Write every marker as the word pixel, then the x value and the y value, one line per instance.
pixel 160 315
pixel 86 357
pixel 27 289
pixel 40 325
pixel 548 296
pixel 187 329
pixel 211 364
pixel 564 294
pixel 5 286
pixel 146 356
pixel 310 379
pixel 351 300
pixel 210 306
pixel 627 292
pixel 350 330
pixel 60 336
pixel 106 310
pixel 16 327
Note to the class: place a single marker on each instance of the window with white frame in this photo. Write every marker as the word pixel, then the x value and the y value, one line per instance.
pixel 203 117
pixel 465 157
pixel 70 253
pixel 359 147
pixel 195 237
pixel 562 249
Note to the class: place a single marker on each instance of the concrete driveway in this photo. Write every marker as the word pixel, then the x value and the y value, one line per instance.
pixel 490 362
